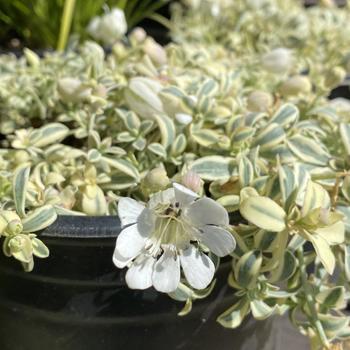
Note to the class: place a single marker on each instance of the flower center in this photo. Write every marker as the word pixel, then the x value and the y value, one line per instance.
pixel 170 230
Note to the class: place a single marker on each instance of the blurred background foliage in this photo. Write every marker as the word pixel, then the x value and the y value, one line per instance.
pixel 36 23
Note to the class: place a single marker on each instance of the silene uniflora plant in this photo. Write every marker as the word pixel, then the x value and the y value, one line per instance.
pixel 223 144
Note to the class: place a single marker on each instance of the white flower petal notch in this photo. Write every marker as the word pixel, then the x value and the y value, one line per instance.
pixel 175 231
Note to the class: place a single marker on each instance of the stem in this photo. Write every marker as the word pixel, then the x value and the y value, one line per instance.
pixel 162 20
pixel 66 23
pixel 310 301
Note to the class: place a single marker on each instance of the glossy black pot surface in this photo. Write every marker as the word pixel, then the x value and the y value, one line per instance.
pixel 76 299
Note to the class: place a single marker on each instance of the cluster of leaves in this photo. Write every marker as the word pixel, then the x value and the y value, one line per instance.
pixel 37 22
pixel 254 123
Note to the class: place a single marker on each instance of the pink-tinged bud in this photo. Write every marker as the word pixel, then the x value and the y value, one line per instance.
pixel 155 52
pixel 192 181
pixel 138 35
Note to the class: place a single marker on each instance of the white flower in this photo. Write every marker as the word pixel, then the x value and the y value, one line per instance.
pixel 168 233
pixel 278 60
pixel 109 27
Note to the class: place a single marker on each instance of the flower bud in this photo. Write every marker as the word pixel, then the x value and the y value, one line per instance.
pixel 334 77
pixel 259 101
pixel 299 84
pixel 20 247
pixel 32 58
pixel 72 90
pixel 277 61
pixel 109 27
pixel 10 223
pixel 21 157
pixel 156 180
pixel 138 35
pixel 155 52
pixel 192 181
pixel 142 97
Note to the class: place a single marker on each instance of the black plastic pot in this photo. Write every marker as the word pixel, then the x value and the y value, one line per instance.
pixel 76 299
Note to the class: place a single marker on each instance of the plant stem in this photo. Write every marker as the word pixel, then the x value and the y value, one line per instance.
pixel 66 23
pixel 162 20
pixel 310 301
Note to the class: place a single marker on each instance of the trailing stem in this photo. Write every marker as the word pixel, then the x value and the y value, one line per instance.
pixel 313 318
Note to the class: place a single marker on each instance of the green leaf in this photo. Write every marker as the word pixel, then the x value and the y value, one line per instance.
pixel 269 137
pixel 260 310
pixel 208 88
pixel 332 297
pixel 39 248
pixel 234 316
pixel 20 182
pixel 287 182
pixel 287 114
pixel 230 202
pixel 242 133
pixel 39 219
pixel 323 251
pixel 308 150
pixel 124 167
pixel 245 171
pixel 51 133
pixel 333 325
pixel 344 130
pixel 214 167
pixel 333 234
pixel 265 240
pixel 205 137
pixel 285 268
pixel 247 269
pixel 157 149
pixel 315 197
pixel 345 188
pixel 179 145
pixel 263 212
pixel 167 129
pixel 347 262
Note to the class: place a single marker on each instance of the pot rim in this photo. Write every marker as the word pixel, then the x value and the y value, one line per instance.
pixel 83 227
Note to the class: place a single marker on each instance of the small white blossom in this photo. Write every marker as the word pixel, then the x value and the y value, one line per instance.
pixel 109 27
pixel 169 233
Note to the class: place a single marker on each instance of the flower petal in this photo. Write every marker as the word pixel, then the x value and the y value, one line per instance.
pixel 198 268
pixel 206 211
pixel 146 222
pixel 129 210
pixel 119 260
pixel 130 242
pixel 166 273
pixel 164 197
pixel 218 240
pixel 184 195
pixel 139 275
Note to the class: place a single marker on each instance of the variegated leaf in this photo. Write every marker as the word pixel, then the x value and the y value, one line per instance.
pixel 269 137
pixel 213 167
pixel 345 136
pixel 123 166
pixel 308 150
pixel 20 182
pixel 233 317
pixel 39 219
pixel 287 114
pixel 247 269
pixel 51 133
pixel 167 129
pixel 263 212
